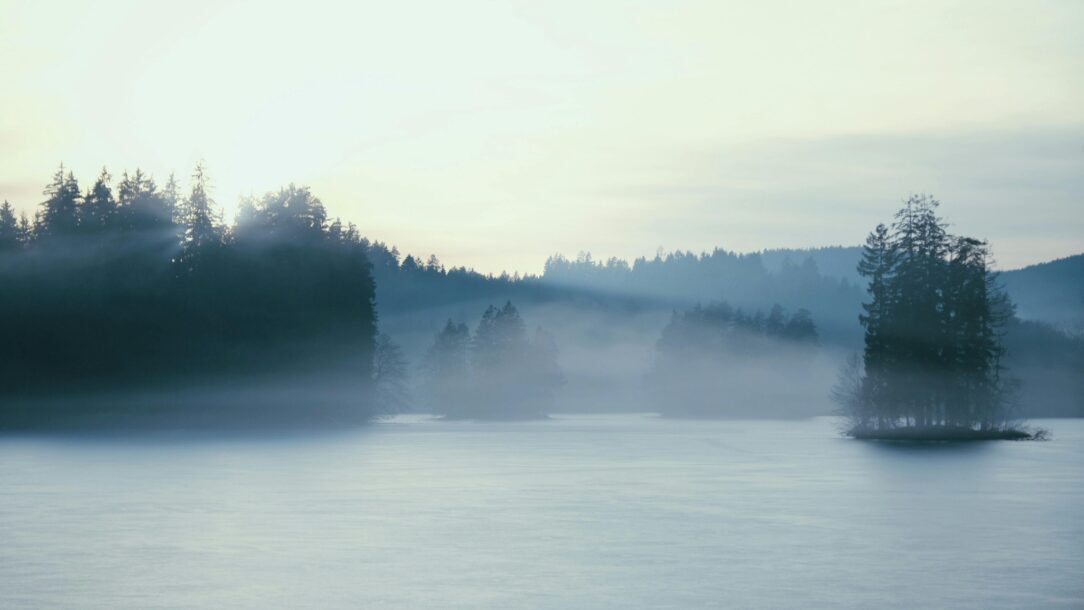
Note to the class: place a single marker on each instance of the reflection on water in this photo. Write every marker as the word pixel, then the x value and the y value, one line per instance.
pixel 579 511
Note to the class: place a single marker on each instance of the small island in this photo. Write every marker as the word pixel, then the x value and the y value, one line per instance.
pixel 499 373
pixel 932 366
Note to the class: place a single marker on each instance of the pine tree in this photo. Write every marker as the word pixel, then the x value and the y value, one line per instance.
pixel 98 210
pixel 59 214
pixel 142 207
pixel 10 239
pixel 879 265
pixel 171 197
pixel 202 223
pixel 291 213
pixel 26 230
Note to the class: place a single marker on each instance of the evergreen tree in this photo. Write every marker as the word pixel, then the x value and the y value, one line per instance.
pixel 496 373
pixel 410 264
pixel 141 206
pixel 59 214
pixel 171 197
pixel 878 264
pixel 513 377
pixel 499 341
pixel 99 209
pixel 10 238
pixel 291 213
pixel 202 223
pixel 26 230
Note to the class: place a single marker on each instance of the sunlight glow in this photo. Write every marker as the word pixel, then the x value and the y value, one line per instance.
pixel 495 133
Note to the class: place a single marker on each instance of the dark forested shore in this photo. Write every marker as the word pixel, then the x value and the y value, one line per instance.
pixel 145 289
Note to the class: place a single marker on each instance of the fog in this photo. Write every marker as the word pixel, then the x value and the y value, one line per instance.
pixel 610 363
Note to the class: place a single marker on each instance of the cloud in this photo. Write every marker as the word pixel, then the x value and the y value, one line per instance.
pixel 1022 188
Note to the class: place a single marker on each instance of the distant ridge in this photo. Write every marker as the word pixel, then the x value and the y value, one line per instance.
pixel 1051 292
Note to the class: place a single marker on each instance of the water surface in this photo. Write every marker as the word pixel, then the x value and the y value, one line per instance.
pixel 614 511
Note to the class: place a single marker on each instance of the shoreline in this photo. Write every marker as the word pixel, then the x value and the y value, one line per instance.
pixel 948 434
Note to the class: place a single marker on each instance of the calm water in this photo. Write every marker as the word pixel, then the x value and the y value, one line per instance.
pixel 621 511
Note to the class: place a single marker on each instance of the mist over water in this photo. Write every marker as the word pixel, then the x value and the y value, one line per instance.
pixel 592 511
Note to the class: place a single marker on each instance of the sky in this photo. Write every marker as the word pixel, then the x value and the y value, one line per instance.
pixel 495 134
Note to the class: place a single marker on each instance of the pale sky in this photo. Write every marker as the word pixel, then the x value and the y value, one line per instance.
pixel 496 133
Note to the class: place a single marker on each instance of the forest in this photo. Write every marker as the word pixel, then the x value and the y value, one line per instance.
pixel 145 289
pixel 132 301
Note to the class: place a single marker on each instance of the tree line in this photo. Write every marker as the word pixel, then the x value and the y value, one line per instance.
pixel 743 280
pixel 133 286
pixel 718 360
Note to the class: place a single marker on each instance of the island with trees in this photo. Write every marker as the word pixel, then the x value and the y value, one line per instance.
pixel 498 372
pixel 932 364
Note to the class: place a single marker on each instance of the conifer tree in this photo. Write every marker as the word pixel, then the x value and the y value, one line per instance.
pixel 202 224
pixel 26 230
pixel 878 264
pixel 142 206
pixel 10 239
pixel 99 208
pixel 59 214
pixel 171 197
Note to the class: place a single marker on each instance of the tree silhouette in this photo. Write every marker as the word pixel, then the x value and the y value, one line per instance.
pixel 932 329
pixel 59 215
pixel 495 373
pixel 99 209
pixel 146 293
pixel 10 234
pixel 202 222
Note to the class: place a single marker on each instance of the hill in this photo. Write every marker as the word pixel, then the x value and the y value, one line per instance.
pixel 1051 292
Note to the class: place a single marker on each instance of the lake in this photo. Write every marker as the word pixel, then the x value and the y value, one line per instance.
pixel 592 511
